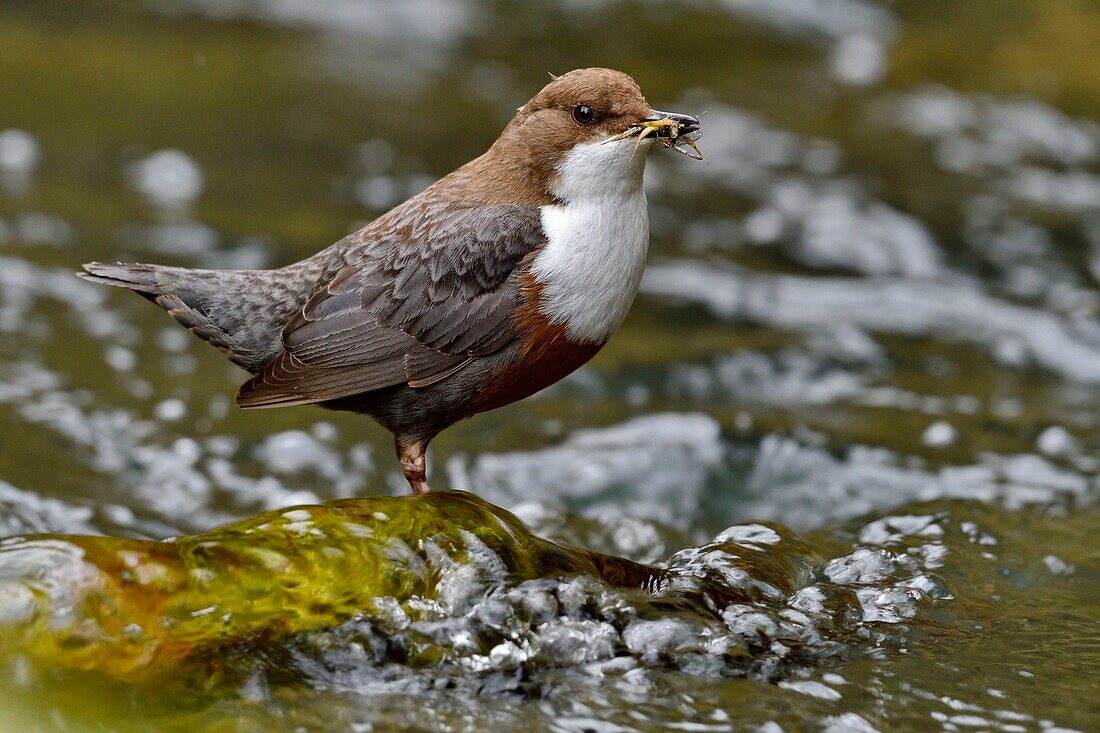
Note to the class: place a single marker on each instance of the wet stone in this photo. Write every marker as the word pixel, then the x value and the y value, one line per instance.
pixel 653 639
pixel 862 566
pixel 446 583
pixel 576 641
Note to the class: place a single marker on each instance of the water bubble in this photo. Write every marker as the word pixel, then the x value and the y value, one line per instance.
pixel 171 410
pixel 169 179
pixel 1057 565
pixel 19 157
pixel 811 688
pixel 858 60
pixel 379 192
pixel 120 358
pixel 19 151
pixel 377 155
pixel 764 225
pixel 848 723
pixel 939 435
pixel 1056 441
pixel 38 228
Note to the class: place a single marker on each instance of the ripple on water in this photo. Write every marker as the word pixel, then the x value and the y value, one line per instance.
pixel 956 310
pixel 662 460
pixel 26 512
pixel 804 486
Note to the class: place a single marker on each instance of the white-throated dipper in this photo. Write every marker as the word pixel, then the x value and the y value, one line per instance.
pixel 494 282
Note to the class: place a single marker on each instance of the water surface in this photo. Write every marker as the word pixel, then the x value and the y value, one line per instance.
pixel 873 319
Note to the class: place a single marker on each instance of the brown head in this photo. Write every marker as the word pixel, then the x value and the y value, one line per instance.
pixel 584 109
pixel 586 104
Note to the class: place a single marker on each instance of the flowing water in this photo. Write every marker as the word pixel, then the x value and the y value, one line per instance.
pixel 837 472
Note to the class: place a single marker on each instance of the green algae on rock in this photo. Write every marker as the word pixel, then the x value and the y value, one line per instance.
pixel 439 592
pixel 445 588
pixel 130 607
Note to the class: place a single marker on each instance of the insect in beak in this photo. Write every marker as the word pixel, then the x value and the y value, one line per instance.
pixel 675 131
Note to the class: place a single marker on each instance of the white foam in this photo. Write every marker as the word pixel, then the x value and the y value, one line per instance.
pixel 658 464
pixel 954 309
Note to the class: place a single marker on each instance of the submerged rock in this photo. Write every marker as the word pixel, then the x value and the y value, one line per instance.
pixel 122 606
pixel 360 591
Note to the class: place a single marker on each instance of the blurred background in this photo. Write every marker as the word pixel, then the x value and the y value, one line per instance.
pixel 883 288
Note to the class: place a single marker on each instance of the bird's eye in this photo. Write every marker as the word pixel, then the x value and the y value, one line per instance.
pixel 583 114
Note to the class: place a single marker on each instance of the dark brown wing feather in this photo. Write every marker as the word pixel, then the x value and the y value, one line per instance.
pixel 432 286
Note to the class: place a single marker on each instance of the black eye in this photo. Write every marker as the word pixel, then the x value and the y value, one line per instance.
pixel 583 114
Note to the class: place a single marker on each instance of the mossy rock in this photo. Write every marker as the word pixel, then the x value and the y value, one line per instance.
pixel 131 607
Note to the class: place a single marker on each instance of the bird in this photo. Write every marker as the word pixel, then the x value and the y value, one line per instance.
pixel 493 283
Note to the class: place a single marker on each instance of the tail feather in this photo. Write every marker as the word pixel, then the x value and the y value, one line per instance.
pixel 141 278
pixel 240 312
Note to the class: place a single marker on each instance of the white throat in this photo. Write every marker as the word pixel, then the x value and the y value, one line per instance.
pixel 597 239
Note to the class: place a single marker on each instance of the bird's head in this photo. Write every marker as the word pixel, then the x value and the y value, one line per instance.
pixel 588 133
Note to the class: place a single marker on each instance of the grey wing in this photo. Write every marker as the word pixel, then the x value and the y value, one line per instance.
pixel 412 305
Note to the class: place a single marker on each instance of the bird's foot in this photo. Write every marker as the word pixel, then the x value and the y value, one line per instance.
pixel 414 464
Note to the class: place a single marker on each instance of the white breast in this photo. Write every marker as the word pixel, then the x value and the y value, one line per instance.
pixel 596 239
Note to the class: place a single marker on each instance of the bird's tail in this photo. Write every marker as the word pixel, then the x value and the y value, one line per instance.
pixel 240 312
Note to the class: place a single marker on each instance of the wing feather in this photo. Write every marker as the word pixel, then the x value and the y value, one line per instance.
pixel 432 287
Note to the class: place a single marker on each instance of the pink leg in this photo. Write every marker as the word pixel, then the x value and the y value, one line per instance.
pixel 414 464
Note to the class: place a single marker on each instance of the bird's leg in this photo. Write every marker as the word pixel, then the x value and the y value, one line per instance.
pixel 412 455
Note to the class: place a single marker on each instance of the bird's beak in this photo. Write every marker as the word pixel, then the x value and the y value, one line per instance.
pixel 675 131
pixel 684 123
